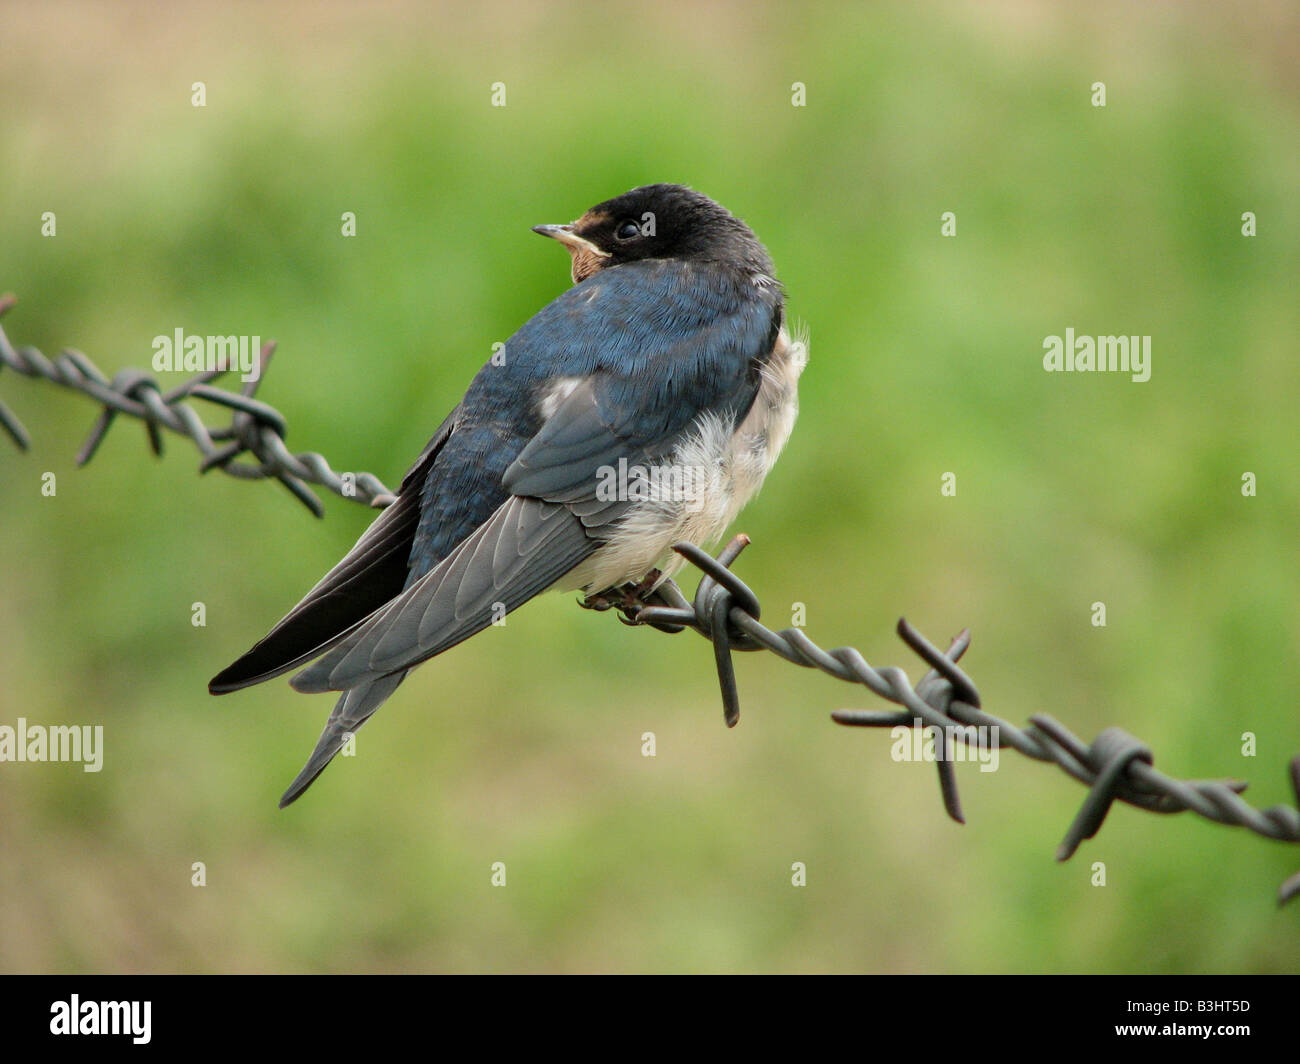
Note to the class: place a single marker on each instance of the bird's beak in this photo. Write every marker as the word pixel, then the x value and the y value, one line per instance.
pixel 566 236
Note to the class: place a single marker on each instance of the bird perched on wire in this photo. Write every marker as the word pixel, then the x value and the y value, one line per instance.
pixel 642 407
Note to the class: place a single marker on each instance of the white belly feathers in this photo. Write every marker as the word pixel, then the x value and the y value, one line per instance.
pixel 713 473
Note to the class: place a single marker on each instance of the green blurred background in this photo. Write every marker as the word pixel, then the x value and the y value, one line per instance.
pixel 523 745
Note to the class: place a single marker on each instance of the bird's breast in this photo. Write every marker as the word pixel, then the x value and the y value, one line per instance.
pixel 716 469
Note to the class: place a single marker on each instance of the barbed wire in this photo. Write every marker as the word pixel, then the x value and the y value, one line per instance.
pixel 1116 766
pixel 256 429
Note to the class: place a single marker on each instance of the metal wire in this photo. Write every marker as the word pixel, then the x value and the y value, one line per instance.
pixel 1115 766
pixel 255 428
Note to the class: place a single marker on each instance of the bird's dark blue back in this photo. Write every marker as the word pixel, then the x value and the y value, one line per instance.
pixel 662 340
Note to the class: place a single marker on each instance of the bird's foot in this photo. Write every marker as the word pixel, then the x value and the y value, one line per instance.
pixel 629 599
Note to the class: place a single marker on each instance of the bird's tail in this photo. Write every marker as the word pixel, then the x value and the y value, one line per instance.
pixel 352 710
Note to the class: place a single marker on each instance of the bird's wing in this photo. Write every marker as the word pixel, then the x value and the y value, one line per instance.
pixel 517 553
pixel 371 574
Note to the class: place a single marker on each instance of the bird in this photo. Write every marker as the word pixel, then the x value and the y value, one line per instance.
pixel 642 407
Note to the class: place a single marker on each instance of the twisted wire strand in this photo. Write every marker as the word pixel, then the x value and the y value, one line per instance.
pixel 1115 766
pixel 255 429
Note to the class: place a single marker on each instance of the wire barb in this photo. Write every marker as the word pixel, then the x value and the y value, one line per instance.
pixel 1115 767
pixel 256 429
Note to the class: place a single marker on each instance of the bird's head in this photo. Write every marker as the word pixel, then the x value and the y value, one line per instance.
pixel 659 222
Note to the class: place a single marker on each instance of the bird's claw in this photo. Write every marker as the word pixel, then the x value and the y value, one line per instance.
pixel 628 599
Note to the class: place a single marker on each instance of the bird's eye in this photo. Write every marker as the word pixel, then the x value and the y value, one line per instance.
pixel 628 231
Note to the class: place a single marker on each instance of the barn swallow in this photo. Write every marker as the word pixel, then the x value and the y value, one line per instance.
pixel 642 407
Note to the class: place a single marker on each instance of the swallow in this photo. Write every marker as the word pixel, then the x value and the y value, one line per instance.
pixel 642 407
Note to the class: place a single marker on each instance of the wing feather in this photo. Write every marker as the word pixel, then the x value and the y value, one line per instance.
pixel 368 576
pixel 521 550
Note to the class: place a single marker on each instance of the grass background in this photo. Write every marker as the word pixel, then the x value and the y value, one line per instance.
pixel 523 746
